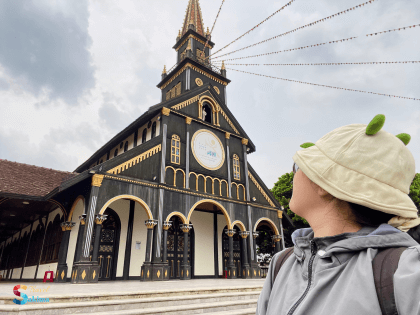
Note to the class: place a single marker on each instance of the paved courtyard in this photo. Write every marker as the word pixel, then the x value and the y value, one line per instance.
pixel 59 289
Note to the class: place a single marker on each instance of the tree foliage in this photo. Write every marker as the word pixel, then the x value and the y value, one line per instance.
pixel 415 190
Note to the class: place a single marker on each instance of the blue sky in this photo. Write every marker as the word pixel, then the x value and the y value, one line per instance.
pixel 74 73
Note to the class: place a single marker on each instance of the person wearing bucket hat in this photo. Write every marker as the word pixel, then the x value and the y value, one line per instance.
pixel 352 187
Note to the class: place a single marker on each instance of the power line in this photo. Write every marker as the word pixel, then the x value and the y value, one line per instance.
pixel 299 28
pixel 246 33
pixel 214 23
pixel 327 86
pixel 320 44
pixel 321 64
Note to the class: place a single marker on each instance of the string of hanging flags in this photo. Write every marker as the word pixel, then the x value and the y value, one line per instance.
pixel 259 24
pixel 301 27
pixel 328 86
pixel 320 44
pixel 211 32
pixel 321 63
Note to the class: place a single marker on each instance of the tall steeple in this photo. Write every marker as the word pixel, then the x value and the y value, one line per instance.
pixel 193 17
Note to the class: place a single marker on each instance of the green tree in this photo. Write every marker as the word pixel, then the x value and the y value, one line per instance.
pixel 282 191
pixel 415 190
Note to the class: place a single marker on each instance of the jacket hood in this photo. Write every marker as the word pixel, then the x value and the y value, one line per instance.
pixel 367 237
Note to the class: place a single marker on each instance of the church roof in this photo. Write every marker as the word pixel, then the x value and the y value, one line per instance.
pixel 193 16
pixel 29 180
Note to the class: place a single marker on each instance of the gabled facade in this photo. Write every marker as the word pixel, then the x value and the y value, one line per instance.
pixel 172 195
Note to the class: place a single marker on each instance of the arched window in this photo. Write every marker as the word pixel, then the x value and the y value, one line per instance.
pixel 154 130
pixel 116 152
pixel 52 241
pixel 101 161
pixel 35 246
pixel 136 135
pixel 143 137
pixel 175 149
pixel 236 168
pixel 207 113
pixel 126 146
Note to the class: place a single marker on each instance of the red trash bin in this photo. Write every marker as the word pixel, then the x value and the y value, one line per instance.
pixel 48 276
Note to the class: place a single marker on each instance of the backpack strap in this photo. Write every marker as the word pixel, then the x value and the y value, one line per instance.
pixel 280 261
pixel 384 266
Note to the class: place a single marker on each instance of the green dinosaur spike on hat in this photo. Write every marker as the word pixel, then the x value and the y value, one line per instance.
pixel 307 145
pixel 375 125
pixel 404 137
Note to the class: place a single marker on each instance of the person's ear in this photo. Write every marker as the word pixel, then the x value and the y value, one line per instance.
pixel 322 192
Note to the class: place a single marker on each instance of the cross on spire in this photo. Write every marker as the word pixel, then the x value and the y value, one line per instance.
pixel 193 16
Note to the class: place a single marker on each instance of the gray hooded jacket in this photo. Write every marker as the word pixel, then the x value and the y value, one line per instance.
pixel 336 277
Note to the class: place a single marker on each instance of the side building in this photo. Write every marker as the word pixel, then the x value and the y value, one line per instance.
pixel 172 196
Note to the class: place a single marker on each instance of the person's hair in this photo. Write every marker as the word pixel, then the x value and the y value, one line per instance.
pixel 369 217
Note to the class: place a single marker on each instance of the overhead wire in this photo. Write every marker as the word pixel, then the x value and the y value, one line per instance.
pixel 299 28
pixel 211 32
pixel 246 33
pixel 322 63
pixel 327 86
pixel 320 44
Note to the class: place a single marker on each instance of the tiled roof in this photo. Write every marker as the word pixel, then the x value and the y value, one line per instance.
pixel 193 16
pixel 30 180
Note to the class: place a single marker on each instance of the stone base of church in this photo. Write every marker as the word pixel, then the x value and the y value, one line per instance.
pixel 185 272
pixel 232 272
pixel 85 272
pixel 246 272
pixel 61 273
pixel 154 272
pixel 255 272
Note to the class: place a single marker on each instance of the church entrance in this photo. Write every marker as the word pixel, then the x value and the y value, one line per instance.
pixel 108 246
pixel 175 247
pixel 237 250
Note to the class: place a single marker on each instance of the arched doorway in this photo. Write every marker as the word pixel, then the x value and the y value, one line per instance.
pixel 237 250
pixel 108 245
pixel 265 245
pixel 175 248
pixel 207 113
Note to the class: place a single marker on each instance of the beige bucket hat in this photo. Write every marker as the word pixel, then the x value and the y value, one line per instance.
pixel 364 165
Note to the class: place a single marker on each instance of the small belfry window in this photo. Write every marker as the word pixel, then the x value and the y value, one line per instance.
pixel 126 146
pixel 154 130
pixel 115 152
pixel 143 137
pixel 175 149
pixel 236 168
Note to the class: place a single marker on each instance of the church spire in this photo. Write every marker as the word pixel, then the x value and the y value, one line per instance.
pixel 193 17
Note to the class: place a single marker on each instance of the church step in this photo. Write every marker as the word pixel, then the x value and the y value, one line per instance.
pixel 194 301
pixel 229 307
pixel 8 300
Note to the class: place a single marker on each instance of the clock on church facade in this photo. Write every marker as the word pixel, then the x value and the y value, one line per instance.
pixel 172 195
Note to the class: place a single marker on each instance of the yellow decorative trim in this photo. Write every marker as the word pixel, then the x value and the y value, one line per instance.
pixel 221 208
pixel 208 75
pixel 216 89
pixel 84 274
pixel 227 135
pixel 131 181
pixel 199 82
pixel 273 226
pixel 166 111
pixel 175 76
pixel 244 141
pixel 139 158
pixel 240 224
pixel 261 189
pixel 228 120
pixel 191 36
pixel 175 171
pixel 185 103
pixel 237 189
pixel 130 197
pixel 188 120
pixel 279 214
pixel 215 108
pixel 179 214
pixel 158 274
pixel 213 179
pixel 94 274
pixel 74 206
pixel 97 180
pixel 164 69
pixel 62 275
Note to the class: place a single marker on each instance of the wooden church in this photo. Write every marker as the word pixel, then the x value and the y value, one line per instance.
pixel 172 196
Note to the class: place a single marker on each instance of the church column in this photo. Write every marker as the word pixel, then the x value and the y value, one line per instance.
pixel 166 226
pixel 255 269
pixel 146 269
pixel 27 250
pixel 62 267
pixel 231 266
pixel 100 218
pixel 79 244
pixel 227 136
pixel 276 240
pixel 245 265
pixel 185 266
pixel 129 240
pixel 187 153
pixel 280 216
pixel 84 270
